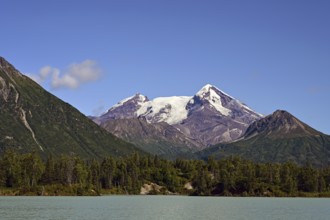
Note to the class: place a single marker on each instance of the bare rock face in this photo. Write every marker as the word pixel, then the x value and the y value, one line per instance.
pixel 209 117
pixel 156 138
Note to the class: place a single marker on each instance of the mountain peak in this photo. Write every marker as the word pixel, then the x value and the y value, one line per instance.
pixel 283 117
pixel 126 108
pixel 280 123
pixel 137 98
pixel 3 62
pixel 207 87
pixel 216 99
pixel 8 68
pixel 207 90
pixel 282 113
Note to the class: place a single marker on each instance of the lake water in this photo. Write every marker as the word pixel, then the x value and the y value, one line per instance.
pixel 162 207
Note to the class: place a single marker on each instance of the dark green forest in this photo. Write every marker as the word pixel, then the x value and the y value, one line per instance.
pixel 28 174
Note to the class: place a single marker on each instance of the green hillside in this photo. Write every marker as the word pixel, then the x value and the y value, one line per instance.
pixel 32 119
pixel 279 137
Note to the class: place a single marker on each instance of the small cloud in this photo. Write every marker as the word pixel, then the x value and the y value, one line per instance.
pixel 85 71
pixel 45 72
pixel 64 81
pixel 72 78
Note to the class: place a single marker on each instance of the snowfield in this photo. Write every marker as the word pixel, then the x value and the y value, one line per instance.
pixel 168 109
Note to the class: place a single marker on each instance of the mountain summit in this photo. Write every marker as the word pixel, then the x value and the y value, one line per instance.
pixel 216 117
pixel 279 124
pixel 214 97
pixel 222 102
pixel 210 116
pixel 124 109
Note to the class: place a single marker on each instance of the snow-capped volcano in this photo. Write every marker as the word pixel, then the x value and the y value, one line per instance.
pixel 215 117
pixel 210 116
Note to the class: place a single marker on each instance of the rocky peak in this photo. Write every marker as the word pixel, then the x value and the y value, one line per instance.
pixel 213 98
pixel 137 99
pixel 279 123
pixel 126 108
pixel 207 90
pixel 281 118
pixel 4 63
pixel 8 68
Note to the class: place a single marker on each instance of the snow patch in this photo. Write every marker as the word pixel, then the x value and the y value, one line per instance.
pixel 140 99
pixel 242 105
pixel 215 101
pixel 168 109
pixel 213 98
pixel 207 87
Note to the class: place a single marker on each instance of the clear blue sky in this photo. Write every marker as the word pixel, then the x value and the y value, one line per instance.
pixel 270 54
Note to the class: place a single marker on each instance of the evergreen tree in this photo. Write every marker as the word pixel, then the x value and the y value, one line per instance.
pixel 32 169
pixel 12 169
pixel 49 176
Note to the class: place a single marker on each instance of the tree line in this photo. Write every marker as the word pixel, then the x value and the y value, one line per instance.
pixel 24 174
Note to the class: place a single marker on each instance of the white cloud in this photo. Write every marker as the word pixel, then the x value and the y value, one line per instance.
pixel 72 78
pixel 43 74
pixel 64 81
pixel 45 71
pixel 85 71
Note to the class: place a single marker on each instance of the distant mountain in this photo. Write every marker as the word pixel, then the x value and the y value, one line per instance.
pixel 31 119
pixel 125 109
pixel 280 124
pixel 216 117
pixel 209 117
pixel 156 138
pixel 279 137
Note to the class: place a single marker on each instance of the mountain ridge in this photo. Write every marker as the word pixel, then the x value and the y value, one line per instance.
pixel 210 116
pixel 32 119
pixel 280 122
pixel 279 137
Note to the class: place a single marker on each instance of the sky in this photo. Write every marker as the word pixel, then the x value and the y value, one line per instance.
pixel 269 54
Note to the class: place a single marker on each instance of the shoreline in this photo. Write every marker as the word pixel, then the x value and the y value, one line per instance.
pixel 17 193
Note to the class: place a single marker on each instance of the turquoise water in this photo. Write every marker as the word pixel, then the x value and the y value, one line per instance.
pixel 162 207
